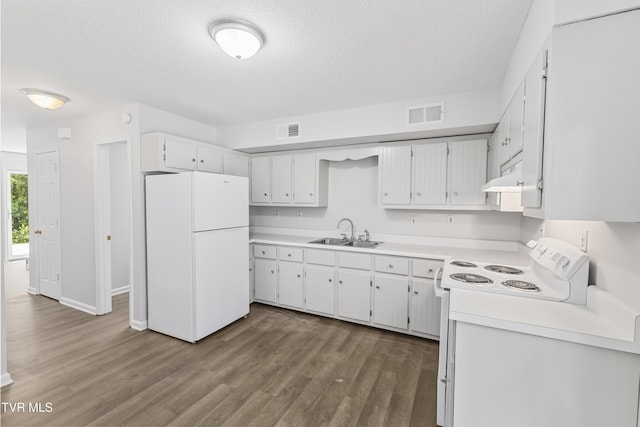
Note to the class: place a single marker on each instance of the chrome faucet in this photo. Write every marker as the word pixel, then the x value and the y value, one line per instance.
pixel 352 227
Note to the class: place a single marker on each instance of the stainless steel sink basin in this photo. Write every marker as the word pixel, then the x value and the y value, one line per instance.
pixel 330 241
pixel 363 244
pixel 341 242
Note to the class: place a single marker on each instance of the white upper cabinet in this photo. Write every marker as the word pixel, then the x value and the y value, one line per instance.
pixel 430 174
pixel 304 178
pixel 289 180
pixel 160 152
pixel 281 189
pixel 260 180
pixel 396 174
pixel 434 175
pixel 516 116
pixel 468 172
pixel 210 159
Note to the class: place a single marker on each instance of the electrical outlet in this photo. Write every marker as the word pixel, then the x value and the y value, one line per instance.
pixel 541 230
pixel 584 237
pixel 450 219
pixel 277 214
pixel 299 214
pixel 413 220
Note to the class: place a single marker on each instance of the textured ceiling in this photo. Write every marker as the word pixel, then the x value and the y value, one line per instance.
pixel 319 55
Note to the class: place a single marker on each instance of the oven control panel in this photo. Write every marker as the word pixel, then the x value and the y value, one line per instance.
pixel 557 256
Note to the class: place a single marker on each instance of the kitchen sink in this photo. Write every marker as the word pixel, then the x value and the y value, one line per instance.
pixel 332 241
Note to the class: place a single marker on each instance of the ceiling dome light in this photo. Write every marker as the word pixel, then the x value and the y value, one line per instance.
pixel 237 38
pixel 44 99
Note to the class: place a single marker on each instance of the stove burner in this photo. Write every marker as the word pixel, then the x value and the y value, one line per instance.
pixel 475 279
pixel 463 264
pixel 521 285
pixel 503 269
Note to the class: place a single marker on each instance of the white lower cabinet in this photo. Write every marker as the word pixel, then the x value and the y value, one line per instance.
pixel 391 300
pixel 354 294
pixel 291 284
pixel 424 307
pixel 320 289
pixel 265 280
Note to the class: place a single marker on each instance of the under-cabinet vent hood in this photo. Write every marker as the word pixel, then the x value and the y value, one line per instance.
pixel 510 182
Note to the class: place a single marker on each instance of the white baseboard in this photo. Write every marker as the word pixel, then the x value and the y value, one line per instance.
pixel 78 305
pixel 5 379
pixel 120 290
pixel 31 290
pixel 139 325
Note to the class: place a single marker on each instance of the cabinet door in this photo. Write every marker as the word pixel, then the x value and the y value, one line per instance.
pixel 209 159
pixel 503 139
pixel 535 91
pixel 281 191
pixel 354 294
pixel 396 175
pixel 265 280
pixel 516 116
pixel 468 165
pixel 304 178
pixel 290 284
pixel 252 283
pixel 430 174
pixel 319 289
pixel 424 308
pixel 235 164
pixel 391 301
pixel 180 155
pixel 260 180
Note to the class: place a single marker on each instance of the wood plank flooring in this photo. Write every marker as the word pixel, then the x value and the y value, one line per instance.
pixel 275 368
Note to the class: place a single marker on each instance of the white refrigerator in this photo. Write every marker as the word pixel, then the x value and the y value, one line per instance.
pixel 197 252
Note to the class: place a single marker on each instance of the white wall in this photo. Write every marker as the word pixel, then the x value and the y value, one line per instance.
pixel 353 193
pixel 373 123
pixel 613 250
pixel 120 207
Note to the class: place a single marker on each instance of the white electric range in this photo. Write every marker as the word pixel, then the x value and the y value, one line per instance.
pixel 558 272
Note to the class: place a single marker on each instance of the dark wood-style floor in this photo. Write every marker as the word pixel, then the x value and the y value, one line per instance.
pixel 275 368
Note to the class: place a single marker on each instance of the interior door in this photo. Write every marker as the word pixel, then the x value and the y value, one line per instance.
pixel 47 219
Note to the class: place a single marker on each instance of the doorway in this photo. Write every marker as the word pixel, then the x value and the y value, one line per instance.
pixel 113 218
pixel 18 215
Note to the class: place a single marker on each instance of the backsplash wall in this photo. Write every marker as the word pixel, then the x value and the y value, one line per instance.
pixel 353 193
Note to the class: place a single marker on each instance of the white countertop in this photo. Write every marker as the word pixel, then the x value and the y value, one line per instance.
pixel 604 322
pixel 511 253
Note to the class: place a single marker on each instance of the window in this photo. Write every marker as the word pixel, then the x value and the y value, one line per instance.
pixel 18 222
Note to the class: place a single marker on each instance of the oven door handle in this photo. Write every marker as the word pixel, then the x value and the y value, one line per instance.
pixel 437 287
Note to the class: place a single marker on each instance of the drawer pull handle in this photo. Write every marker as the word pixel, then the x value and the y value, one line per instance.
pixel 377 287
pixel 431 270
pixel 201 161
pixel 289 255
pixel 330 280
pixel 298 276
pixel 390 265
pixel 263 252
pixel 340 281
pixel 193 160
pixel 311 194
pixel 272 271
pixel 265 194
pixel 415 292
pixel 286 194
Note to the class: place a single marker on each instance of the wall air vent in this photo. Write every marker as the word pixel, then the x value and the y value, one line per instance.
pixel 291 130
pixel 426 114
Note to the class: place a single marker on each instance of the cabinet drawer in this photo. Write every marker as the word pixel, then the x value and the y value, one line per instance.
pixel 394 265
pixel 264 251
pixel 290 254
pixel 351 260
pixel 425 268
pixel 314 256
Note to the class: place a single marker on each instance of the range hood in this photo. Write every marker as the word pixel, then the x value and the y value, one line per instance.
pixel 509 182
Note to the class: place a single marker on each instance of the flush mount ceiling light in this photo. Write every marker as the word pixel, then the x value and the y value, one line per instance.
pixel 44 99
pixel 237 38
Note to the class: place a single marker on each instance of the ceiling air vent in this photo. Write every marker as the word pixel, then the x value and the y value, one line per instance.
pixel 426 114
pixel 291 130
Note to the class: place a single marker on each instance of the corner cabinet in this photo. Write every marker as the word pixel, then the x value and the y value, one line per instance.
pixel 434 175
pixel 289 180
pixel 160 152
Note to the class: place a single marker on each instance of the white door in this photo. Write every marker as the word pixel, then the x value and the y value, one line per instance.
pixel 180 155
pixel 290 284
pixel 424 307
pixel 430 174
pixel 209 159
pixel 304 178
pixel 391 301
pixel 265 280
pixel 396 175
pixel 354 294
pixel 320 290
pixel 47 232
pixel 468 172
pixel 260 176
pixel 281 190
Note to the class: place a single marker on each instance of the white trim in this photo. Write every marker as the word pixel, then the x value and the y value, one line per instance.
pixel 5 379
pixel 138 325
pixel 120 290
pixel 101 191
pixel 31 290
pixel 6 207
pixel 78 305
